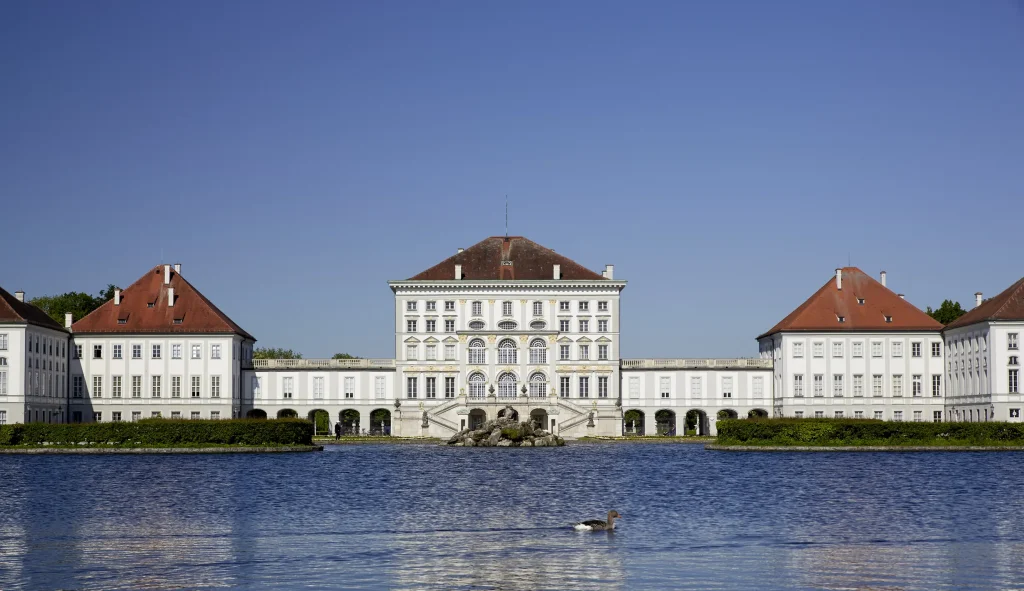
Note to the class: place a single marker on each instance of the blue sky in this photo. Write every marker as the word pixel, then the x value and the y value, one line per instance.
pixel 725 156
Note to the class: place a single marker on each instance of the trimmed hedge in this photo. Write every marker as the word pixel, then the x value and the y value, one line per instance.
pixel 163 433
pixel 826 432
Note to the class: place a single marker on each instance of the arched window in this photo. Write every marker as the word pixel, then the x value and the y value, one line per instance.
pixel 476 386
pixel 507 386
pixel 538 385
pixel 477 352
pixel 538 351
pixel 507 352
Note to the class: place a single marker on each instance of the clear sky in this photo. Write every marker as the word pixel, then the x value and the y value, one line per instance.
pixel 725 156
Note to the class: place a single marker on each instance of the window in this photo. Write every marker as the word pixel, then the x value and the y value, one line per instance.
pixel 798 349
pixel 215 351
pixel 839 414
pixel 410 326
pixel 936 416
pixel 287 388
pixel 176 351
pixel 156 351
pixel 78 351
pixel 410 306
pixel 798 385
pixel 563 306
pixel 431 352
pixel 476 324
pixel 563 352
pixel 507 325
pixel 563 387
pixel 507 385
pixel 915 349
pixel 215 386
pixel 97 386
pixel 563 326
pixel 897 385
pixel 819 414
pixel 194 415
pixel 696 387
pixel 538 308
pixel 665 387
pixel 758 387
pixel 449 305
pixel 477 352
pixel 1012 383
pixel 97 351
pixel 478 308
pixel 937 349
pixel 214 415
pixel 819 384
pixel 477 386
pixel 538 351
pixel 431 306
pixel 584 306
pixel 858 349
pixel 380 387
pixel 3 341
pixel 878 415
pixel 915 385
pixel 318 388
pixel 897 415
pixel 1013 360
pixel 876 348
pixel 602 326
pixel 507 352
pixel 1014 413
pixel 1011 341
pixel 584 387
pixel 858 414
pixel 837 349
pixel 196 386
pixel 431 387
pixel 726 387
pixel 115 386
pixel 155 386
pixel 584 326
pixel 888 318
pixel 506 308
pixel 431 326
pixel 634 387
pixel 116 352
pixel 449 352
pixel 876 385
pixel 449 387
pixel 818 349
pixel 584 352
pixel 137 415
pixel 841 319
pixel 602 352
pixel 917 416
pixel 798 414
pixel 136 351
pixel 449 325
pixel 897 349
pixel 602 387
pixel 602 306
pixel 115 416
pixel 411 352
pixel 197 351
pixel 837 384
pixel 176 386
pixel 136 386
pixel 410 387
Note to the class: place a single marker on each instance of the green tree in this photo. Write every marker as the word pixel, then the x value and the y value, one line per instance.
pixel 108 293
pixel 77 302
pixel 344 356
pixel 947 312
pixel 272 353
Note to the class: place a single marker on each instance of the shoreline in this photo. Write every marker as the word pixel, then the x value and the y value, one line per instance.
pixel 861 448
pixel 158 450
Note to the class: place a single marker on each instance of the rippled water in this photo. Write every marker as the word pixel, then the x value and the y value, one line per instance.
pixel 424 517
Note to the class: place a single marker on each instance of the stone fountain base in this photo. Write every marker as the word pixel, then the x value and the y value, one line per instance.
pixel 504 432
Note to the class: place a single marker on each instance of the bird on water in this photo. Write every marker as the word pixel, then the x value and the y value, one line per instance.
pixel 597 524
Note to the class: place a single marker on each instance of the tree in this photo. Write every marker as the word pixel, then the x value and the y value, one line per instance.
pixel 108 293
pixel 344 356
pixel 947 312
pixel 272 353
pixel 77 302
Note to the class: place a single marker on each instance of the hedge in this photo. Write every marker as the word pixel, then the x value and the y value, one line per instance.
pixel 163 433
pixel 826 432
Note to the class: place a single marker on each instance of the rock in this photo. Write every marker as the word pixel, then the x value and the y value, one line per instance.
pixel 540 442
pixel 495 437
pixel 504 443
pixel 503 432
pixel 468 442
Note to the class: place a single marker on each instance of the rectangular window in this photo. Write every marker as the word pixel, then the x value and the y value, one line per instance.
pixel 602 352
pixel 214 351
pixel 602 387
pixel 798 385
pixel 584 326
pixel 288 388
pixel 115 386
pixel 563 326
pixel 602 306
pixel 431 326
pixel 798 414
pixel 858 349
pixel 156 351
pixel 115 416
pixel 538 308
pixel 634 387
pixel 837 384
pixel 936 416
pixel 819 414
pixel 665 387
pixel 449 325
pixel 176 386
pixel 380 387
pixel 478 308
pixel 155 386
pixel 858 385
pixel 915 384
pixel 915 349
pixel 97 351
pixel 897 385
pixel 584 352
pixel 136 351
pixel 449 387
pixel 431 387
pixel 350 387
pixel 411 352
pixel 194 415
pixel 3 341
pixel 1012 383
pixel 839 414
pixel 506 308
pixel 758 387
pixel 726 387
pixel 563 386
pixel 602 325
pixel 1011 341
pixel 137 415
pixel 876 348
pixel 116 351
pixel 197 351
pixel 410 387
pixel 563 306
pixel 798 349
pixel 97 386
pixel 819 385
pixel 197 386
pixel 878 415
pixel 897 415
pixel 176 351
pixel 78 351
pixel 318 388
pixel 431 352
pixel 410 306
pixel 449 305
pixel 431 306
pixel 818 349
pixel 858 414
pixel 696 387
pixel 136 386
pixel 876 385
pixel 214 415
pixel 937 349
pixel 584 306
pixel 918 416
pixel 837 349
pixel 897 349
pixel 449 352
pixel 410 326
pixel 584 387
pixel 215 386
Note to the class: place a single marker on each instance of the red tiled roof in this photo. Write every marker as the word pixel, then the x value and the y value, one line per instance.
pixel 197 314
pixel 514 257
pixel 11 310
pixel 1008 305
pixel 822 310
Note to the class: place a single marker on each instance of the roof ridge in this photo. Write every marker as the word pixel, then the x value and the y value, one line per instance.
pixel 1010 292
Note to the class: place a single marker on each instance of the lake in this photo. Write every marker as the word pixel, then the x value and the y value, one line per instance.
pixel 427 517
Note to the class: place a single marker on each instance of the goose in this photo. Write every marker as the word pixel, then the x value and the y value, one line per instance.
pixel 597 524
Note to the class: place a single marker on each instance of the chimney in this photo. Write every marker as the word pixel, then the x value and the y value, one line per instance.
pixel 882 279
pixel 177 268
pixel 609 272
pixel 977 299
pixel 460 250
pixel 19 295
pixel 68 319
pixel 902 297
pixel 839 279
pixel 117 297
pixel 458 271
pixel 170 297
pixel 167 274
pixel 557 272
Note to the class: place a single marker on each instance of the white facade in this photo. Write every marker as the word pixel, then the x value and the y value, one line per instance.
pixel 33 374
pixel 983 371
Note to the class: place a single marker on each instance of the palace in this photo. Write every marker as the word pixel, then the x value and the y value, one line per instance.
pixel 508 325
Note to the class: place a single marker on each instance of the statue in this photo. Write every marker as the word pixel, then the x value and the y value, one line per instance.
pixel 590 419
pixel 426 422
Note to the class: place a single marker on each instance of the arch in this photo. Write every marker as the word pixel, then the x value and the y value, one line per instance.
pixel 380 422
pixel 538 351
pixel 477 352
pixel 507 383
pixel 508 352
pixel 287 413
pixel 666 422
pixel 321 420
pixel 349 419
pixel 697 422
pixel 539 418
pixel 477 418
pixel 538 385
pixel 477 386
pixel 256 413
pixel 757 413
pixel 633 422
pixel 727 413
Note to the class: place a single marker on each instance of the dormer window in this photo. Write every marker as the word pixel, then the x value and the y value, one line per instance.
pixel 888 319
pixel 122 321
pixel 860 301
pixel 177 320
pixel 841 319
pixel 150 304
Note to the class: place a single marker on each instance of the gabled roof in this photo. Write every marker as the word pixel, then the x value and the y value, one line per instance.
pixel 1008 305
pixel 192 311
pixel 822 311
pixel 512 258
pixel 11 310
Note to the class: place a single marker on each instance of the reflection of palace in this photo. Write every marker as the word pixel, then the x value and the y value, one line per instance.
pixel 508 322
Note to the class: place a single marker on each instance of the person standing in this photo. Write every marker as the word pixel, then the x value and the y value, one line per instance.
pixel 337 431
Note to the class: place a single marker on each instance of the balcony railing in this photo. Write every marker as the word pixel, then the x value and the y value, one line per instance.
pixel 322 364
pixel 752 363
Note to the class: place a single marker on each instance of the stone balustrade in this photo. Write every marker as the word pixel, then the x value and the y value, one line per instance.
pixel 749 363
pixel 322 364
